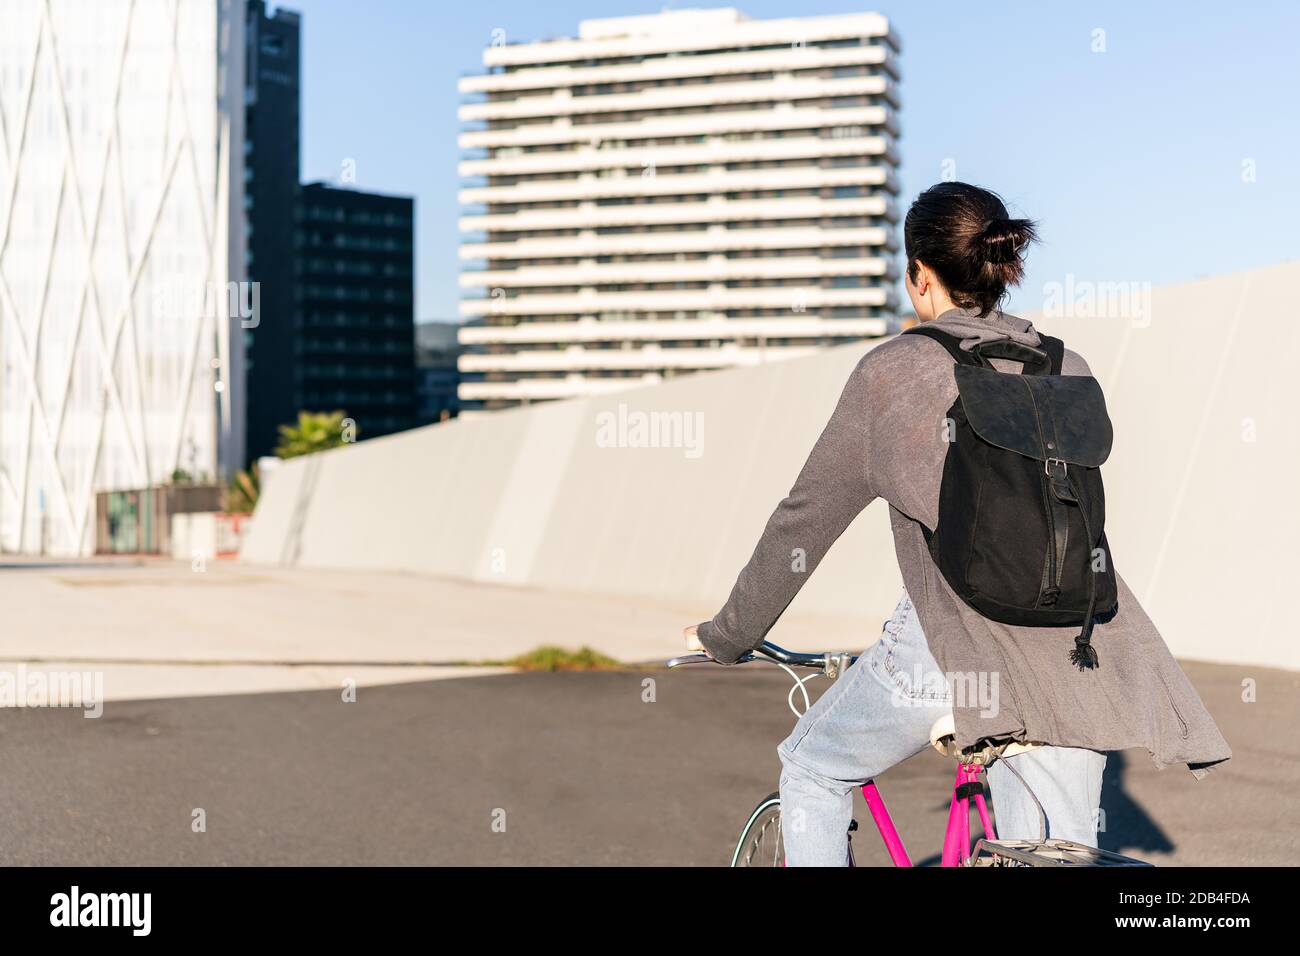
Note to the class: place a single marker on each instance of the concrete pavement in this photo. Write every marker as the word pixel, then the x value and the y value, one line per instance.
pixel 159 628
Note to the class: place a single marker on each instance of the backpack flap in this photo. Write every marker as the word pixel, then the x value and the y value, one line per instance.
pixel 1044 417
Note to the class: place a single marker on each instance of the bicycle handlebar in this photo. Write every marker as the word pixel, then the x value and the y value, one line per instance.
pixel 829 662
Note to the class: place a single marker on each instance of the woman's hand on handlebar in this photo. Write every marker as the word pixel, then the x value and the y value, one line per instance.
pixel 692 637
pixel 693 643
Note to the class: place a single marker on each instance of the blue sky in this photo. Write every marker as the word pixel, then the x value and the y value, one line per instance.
pixel 1130 159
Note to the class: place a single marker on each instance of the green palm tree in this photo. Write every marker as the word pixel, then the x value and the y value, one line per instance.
pixel 244 490
pixel 315 431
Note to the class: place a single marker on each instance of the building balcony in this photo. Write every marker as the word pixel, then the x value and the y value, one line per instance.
pixel 651 184
pixel 714 240
pixel 716 210
pixel 872 118
pixel 780 89
pixel 787 59
pixel 794 298
pixel 686 31
pixel 714 152
pixel 695 270
pixel 647 358
pixel 669 330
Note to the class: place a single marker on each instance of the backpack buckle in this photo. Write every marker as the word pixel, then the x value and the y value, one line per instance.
pixel 1060 481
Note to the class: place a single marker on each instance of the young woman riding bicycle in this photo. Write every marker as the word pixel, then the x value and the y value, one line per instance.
pixel 1110 687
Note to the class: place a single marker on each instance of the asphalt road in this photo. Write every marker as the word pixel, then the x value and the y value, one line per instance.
pixel 579 768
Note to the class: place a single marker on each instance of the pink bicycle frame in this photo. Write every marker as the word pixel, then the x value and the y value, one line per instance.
pixel 956 839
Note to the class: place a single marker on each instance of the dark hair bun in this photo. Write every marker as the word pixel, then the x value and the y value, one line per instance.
pixel 963 233
pixel 1002 239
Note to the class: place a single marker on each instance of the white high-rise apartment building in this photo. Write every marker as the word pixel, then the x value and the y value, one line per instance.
pixel 121 237
pixel 670 193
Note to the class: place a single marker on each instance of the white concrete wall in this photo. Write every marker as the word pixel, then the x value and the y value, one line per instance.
pixel 1199 486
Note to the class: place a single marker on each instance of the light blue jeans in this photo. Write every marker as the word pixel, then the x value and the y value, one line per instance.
pixel 877 715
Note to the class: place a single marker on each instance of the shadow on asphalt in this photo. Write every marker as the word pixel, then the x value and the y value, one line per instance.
pixel 1128 828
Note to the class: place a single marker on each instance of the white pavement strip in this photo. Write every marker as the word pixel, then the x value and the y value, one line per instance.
pixel 156 629
pixel 86 685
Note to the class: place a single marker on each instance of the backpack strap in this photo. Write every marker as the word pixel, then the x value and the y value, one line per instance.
pixel 949 342
pixel 1054 348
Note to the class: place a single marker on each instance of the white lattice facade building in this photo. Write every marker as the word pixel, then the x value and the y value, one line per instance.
pixel 671 193
pixel 120 166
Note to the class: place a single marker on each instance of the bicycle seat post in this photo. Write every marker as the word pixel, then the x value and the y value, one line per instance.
pixel 956 840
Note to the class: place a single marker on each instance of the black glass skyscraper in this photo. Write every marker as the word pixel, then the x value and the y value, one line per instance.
pixel 356 348
pixel 334 268
pixel 271 171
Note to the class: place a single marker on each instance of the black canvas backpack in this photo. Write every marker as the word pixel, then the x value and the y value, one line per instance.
pixel 1022 510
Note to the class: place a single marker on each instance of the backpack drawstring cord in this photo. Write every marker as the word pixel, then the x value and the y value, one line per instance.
pixel 1084 655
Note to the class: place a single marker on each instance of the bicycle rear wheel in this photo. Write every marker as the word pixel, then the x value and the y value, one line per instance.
pixel 761 840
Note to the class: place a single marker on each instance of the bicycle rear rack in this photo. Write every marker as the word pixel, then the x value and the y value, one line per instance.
pixel 1046 853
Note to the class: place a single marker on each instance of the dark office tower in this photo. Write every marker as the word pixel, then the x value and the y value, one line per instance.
pixel 356 347
pixel 270 198
pixel 436 376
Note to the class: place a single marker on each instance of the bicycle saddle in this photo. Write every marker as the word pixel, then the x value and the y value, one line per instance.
pixel 943 737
